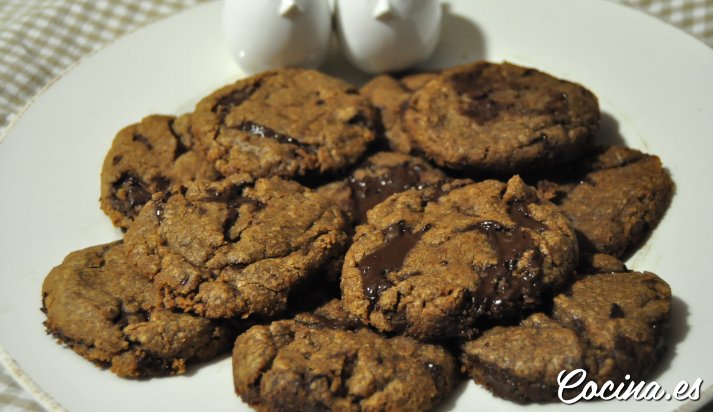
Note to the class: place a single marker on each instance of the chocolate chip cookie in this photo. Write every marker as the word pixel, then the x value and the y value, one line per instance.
pixel 378 177
pixel 609 325
pixel 148 157
pixel 326 361
pixel 614 196
pixel 286 122
pixel 102 309
pixel 500 119
pixel 439 262
pixel 235 247
pixel 391 96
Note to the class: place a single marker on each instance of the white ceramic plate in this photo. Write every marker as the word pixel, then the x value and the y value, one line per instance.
pixel 655 85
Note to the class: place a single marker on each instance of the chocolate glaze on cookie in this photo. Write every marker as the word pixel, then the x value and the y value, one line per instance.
pixel 378 177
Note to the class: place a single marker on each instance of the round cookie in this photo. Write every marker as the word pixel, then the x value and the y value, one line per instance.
pixel 234 247
pixel 148 157
pixel 327 361
pixel 391 96
pixel 106 312
pixel 443 261
pixel 614 197
pixel 500 119
pixel 521 363
pixel 378 177
pixel 609 325
pixel 287 122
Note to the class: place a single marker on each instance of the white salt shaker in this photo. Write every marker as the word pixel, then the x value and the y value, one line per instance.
pixel 387 35
pixel 266 34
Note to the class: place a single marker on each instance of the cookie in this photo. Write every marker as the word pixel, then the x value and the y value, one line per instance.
pixel 614 197
pixel 236 247
pixel 590 264
pixel 500 119
pixel 286 122
pixel 378 177
pixel 327 361
pixel 390 96
pixel 521 363
pixel 443 261
pixel 609 325
pixel 148 157
pixel 109 314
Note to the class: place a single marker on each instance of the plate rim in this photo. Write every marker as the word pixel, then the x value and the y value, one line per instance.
pixel 46 400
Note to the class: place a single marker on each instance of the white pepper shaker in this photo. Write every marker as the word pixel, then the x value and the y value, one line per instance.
pixel 266 34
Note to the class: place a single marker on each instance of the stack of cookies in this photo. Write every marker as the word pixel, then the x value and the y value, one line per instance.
pixel 365 249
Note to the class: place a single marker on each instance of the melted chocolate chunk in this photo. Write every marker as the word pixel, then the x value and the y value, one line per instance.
pixel 231 195
pixel 154 364
pixel 371 191
pixel 521 215
pixel 181 148
pixel 228 225
pixel 359 119
pixel 479 99
pixel 437 374
pixel 390 257
pixel 264 131
pixel 476 92
pixel 616 312
pixel 130 194
pixel 498 289
pixel 161 183
pixel 234 98
pixel 137 137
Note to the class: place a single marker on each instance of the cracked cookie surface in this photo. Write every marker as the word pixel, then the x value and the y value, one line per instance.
pixel 286 122
pixel 326 360
pixel 236 247
pixel 436 263
pixel 500 119
pixel 148 157
pixel 609 325
pixel 390 96
pixel 101 308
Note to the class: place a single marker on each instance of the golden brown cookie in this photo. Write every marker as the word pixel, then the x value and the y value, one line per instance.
pixel 146 158
pixel 500 119
pixel 615 196
pixel 236 247
pixel 101 308
pixel 439 262
pixel 327 361
pixel 285 122
pixel 608 325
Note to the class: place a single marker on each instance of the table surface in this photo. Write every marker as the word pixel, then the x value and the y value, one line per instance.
pixel 39 39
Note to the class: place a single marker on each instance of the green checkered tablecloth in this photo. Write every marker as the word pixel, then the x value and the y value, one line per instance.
pixel 39 39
